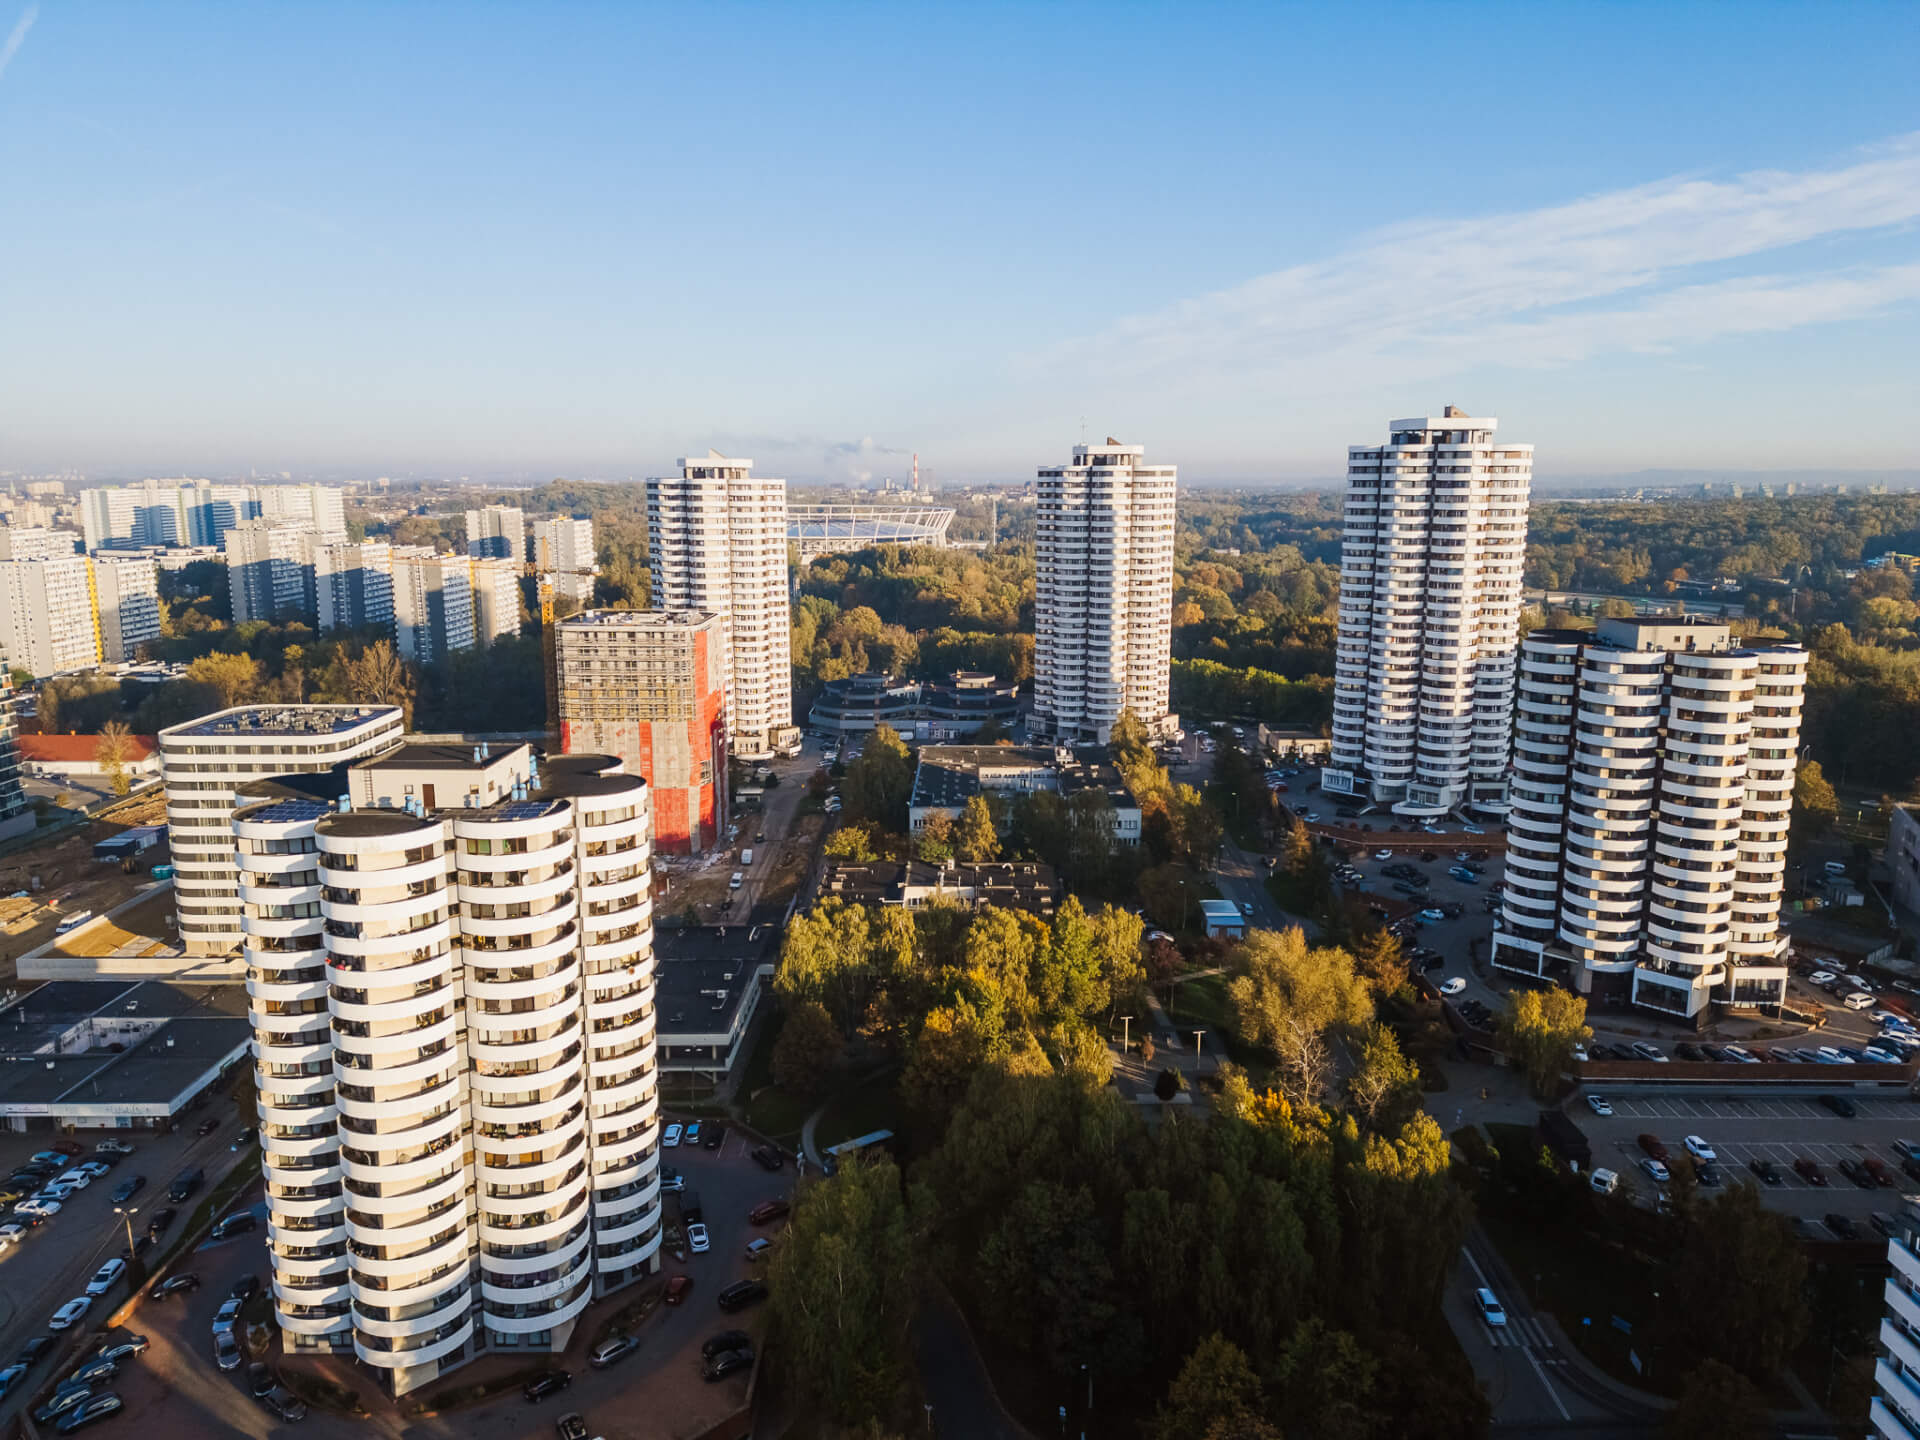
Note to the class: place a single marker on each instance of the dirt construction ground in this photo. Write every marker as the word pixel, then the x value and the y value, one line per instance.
pixel 70 879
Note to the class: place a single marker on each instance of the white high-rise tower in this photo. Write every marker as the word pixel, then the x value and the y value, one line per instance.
pixel 1436 538
pixel 1103 610
pixel 717 538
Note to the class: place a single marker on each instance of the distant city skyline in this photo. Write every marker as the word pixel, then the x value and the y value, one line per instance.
pixel 360 241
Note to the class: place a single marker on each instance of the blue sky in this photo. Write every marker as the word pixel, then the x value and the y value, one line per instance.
pixel 582 240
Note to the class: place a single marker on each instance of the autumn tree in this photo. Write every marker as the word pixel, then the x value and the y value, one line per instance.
pixel 111 753
pixel 1378 958
pixel 1539 1029
pixel 1741 1260
pixel 1216 1384
pixel 1384 1087
pixel 851 842
pixel 1815 805
pixel 843 1292
pixel 975 838
pixel 378 676
pixel 234 679
pixel 1287 996
pixel 933 841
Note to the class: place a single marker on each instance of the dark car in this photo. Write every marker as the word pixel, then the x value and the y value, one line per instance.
pixel 118 1350
pixel 260 1378
pixel 31 1352
pixel 1839 1105
pixel 233 1225
pixel 547 1383
pixel 1912 1168
pixel 1840 1225
pixel 727 1362
pixel 128 1188
pixel 572 1426
pixel 206 1128
pixel 768 1157
pixel 741 1294
pixel 283 1403
pixel 97 1408
pixel 141 1244
pixel 1651 1144
pixel 1707 1177
pixel 66 1399
pixel 184 1186
pixel 1767 1172
pixel 1599 1050
pixel 160 1219
pixel 715 1137
pixel 725 1340
pixel 1857 1173
pixel 1884 1223
pixel 1809 1171
pixel 96 1371
pixel 1715 1053
pixel 767 1211
pixel 245 1138
pixel 1687 1050
pixel 1427 857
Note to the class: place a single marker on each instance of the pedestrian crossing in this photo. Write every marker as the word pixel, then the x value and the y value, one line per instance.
pixel 1524 1332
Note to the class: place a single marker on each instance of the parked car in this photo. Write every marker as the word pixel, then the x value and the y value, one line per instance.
pixel 727 1362
pixel 64 1399
pixel 245 1288
pixel 1839 1105
pixel 1877 1168
pixel 233 1225
pixel 1653 1146
pixel 160 1220
pixel 1649 1052
pixel 678 1288
pixel 113 1147
pixel 1656 1170
pixel 1699 1149
pixel 1884 1223
pixel 183 1186
pixel 34 1349
pixel 768 1157
pixel 741 1294
pixel 11 1376
pixel 177 1285
pixel 725 1340
pixel 120 1350
pixel 128 1188
pixel 96 1408
pixel 697 1239
pixel 1855 1171
pixel 1599 1104
pixel 671 1138
pixel 1603 1182
pixel 284 1404
pixel 226 1351
pixel 104 1277
pixel 1742 1054
pixel 70 1314
pixel 1765 1171
pixel 1840 1225
pixel 767 1211
pixel 758 1247
pixel 547 1383
pixel 225 1317
pixel 716 1136
pixel 1809 1170
pixel 260 1379
pixel 1455 986
pixel 691 1135
pixel 613 1350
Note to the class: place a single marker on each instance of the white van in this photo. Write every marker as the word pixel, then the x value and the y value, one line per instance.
pixel 1604 1182
pixel 73 922
pixel 746 856
pixel 1835 867
pixel 734 883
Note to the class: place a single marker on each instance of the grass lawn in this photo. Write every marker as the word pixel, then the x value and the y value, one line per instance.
pixel 860 1111
pixel 1203 1001
pixel 774 1112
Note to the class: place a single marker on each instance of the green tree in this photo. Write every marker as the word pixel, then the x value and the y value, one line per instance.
pixel 808 1049
pixel 1816 807
pixel 1717 1402
pixel 975 838
pixel 1287 996
pixel 853 843
pixel 1384 1087
pixel 1539 1029
pixel 1741 1259
pixel 934 840
pixel 842 1292
pixel 879 784
pixel 1217 1383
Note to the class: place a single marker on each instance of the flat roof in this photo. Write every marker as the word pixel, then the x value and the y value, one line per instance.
pixel 202 1028
pixel 285 720
pixel 426 755
pixel 702 974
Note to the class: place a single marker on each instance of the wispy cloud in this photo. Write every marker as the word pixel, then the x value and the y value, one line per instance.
pixel 18 36
pixel 1625 270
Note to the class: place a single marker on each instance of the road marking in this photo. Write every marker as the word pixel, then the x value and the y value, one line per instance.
pixel 1552 1394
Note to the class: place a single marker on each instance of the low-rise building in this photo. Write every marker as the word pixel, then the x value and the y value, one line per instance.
pixel 859 703
pixel 915 884
pixel 709 981
pixel 80 755
pixel 965 703
pixel 1222 919
pixel 947 776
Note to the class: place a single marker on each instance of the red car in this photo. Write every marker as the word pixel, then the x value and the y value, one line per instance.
pixel 1651 1144
pixel 767 1211
pixel 678 1288
pixel 1809 1171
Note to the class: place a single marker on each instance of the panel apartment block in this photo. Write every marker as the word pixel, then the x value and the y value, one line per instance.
pixel 432 604
pixel 718 542
pixel 48 617
pixel 455 1054
pixel 496 598
pixel 1436 537
pixel 270 571
pixel 1103 613
pixel 1652 788
pixel 497 532
pixel 206 761
pixel 127 602
pixel 645 685
pixel 353 585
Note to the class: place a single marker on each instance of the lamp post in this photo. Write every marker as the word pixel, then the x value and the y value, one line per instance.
pixel 1126 1034
pixel 929 1409
pixel 126 1213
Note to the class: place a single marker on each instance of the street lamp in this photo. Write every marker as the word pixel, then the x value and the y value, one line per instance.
pixel 929 1409
pixel 126 1213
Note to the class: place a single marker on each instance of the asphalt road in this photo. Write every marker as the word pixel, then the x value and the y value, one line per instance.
pixel 774 820
pixel 54 1262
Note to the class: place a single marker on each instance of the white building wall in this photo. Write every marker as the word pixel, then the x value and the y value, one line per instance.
pixel 564 543
pixel 717 537
pixel 1103 613
pixel 432 605
pixel 34 542
pixel 496 598
pixel 48 621
pixel 1430 575
pixel 127 599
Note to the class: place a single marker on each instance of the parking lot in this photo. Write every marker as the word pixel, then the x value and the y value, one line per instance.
pixel 53 1261
pixel 1778 1128
pixel 656 1393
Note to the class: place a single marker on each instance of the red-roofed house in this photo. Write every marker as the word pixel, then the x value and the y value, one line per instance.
pixel 76 755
